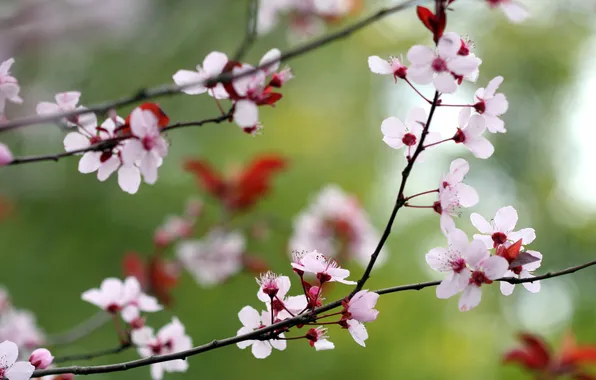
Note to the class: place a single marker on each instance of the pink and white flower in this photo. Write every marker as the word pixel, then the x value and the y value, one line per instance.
pixel 6 156
pixel 453 181
pixel 146 151
pixel 67 102
pixel 451 199
pixel 326 269
pixel 273 290
pixel 9 86
pixel 41 358
pixel 452 262
pixel 9 367
pixel 523 271
pixel 501 229
pixel 213 65
pixel 361 307
pixel 484 269
pixel 514 11
pixel 126 298
pixel 491 105
pixel 317 338
pixel 393 66
pixel 170 339
pixel 336 224
pixel 20 326
pixel 470 132
pixel 251 320
pixel 397 134
pixel 441 67
pixel 214 259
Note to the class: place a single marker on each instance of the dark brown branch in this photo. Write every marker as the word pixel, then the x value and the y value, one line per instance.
pixel 400 201
pixel 172 89
pixel 79 331
pixel 93 355
pixel 111 143
pixel 251 30
pixel 266 331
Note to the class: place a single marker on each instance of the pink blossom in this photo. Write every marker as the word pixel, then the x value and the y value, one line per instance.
pixel 273 290
pixel 453 181
pixel 393 66
pixel 470 132
pixel 335 223
pixel 5 155
pixel 146 151
pixel 451 199
pixel 514 11
pixel 41 358
pixel 214 259
pixel 174 227
pixel 213 65
pixel 357 330
pixel 484 268
pixel 361 306
pixel 523 271
pixel 9 367
pixel 491 105
pixel 397 134
pixel 500 229
pixel 115 296
pixel 443 65
pixel 317 338
pixel 270 284
pixel 170 339
pixel 326 269
pixel 251 320
pixel 9 86
pixel 20 326
pixel 67 102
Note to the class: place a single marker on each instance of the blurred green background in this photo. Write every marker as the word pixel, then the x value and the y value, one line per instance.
pixel 68 231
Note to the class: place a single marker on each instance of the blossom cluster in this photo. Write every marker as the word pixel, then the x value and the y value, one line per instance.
pixel 273 291
pixel 19 326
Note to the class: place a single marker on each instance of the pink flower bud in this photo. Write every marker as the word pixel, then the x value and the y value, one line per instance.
pixel 137 323
pixel 5 155
pixel 41 358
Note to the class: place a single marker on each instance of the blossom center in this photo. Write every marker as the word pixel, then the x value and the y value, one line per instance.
pixel 400 72
pixel 409 139
pixel 323 277
pixel 459 137
pixel 148 142
pixel 113 308
pixel 517 270
pixel 439 65
pixel 478 278
pixel 458 265
pixel 480 107
pixel 94 140
pixel 499 238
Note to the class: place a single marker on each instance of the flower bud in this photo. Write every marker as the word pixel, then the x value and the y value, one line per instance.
pixel 41 358
pixel 5 155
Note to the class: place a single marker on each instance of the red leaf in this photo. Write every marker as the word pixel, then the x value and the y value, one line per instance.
pixel 134 265
pixel 537 348
pixel 436 24
pixel 425 15
pixel 208 179
pixel 163 277
pixel 510 253
pixel 254 182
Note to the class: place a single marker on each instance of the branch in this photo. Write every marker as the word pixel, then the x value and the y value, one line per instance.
pixel 79 331
pixel 172 89
pixel 93 355
pixel 264 332
pixel 251 30
pixel 111 143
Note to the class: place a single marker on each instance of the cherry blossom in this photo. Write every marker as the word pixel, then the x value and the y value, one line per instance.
pixel 500 229
pixel 453 181
pixel 397 134
pixel 491 105
pixel 146 151
pixel 523 271
pixel 452 262
pixel 451 199
pixel 170 339
pixel 214 259
pixel 512 9
pixel 251 320
pixel 67 102
pixel 336 224
pixel 317 338
pixel 5 155
pixel 9 367
pixel 273 290
pixel 357 330
pixel 20 326
pixel 441 66
pixel 9 86
pixel 326 269
pixel 115 296
pixel 393 66
pixel 41 358
pixel 484 269
pixel 361 306
pixel 270 285
pixel 470 132
pixel 213 65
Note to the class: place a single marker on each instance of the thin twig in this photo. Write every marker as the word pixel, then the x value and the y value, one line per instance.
pixel 111 143
pixel 93 355
pixel 80 331
pixel 251 30
pixel 260 333
pixel 172 89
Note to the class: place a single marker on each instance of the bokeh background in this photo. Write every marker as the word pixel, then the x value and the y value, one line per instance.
pixel 67 231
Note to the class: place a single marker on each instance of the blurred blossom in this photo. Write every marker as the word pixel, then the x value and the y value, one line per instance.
pixel 20 327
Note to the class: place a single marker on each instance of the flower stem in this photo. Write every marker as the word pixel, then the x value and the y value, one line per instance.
pixel 423 193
